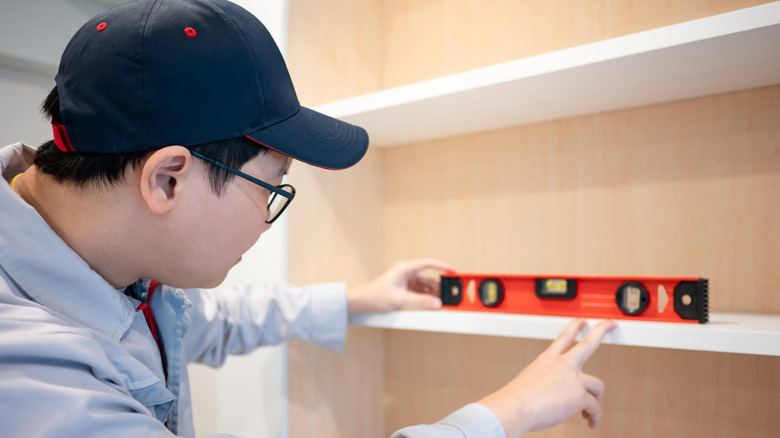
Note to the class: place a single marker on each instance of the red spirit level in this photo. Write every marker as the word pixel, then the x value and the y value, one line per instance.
pixel 665 299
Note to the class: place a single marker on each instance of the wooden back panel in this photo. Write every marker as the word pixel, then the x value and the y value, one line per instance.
pixel 685 188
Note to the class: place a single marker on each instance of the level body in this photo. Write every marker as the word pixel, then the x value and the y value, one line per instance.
pixel 661 299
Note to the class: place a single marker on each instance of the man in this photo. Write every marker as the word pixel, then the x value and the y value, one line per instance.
pixel 174 122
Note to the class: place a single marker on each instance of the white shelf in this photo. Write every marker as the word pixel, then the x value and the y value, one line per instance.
pixel 728 52
pixel 726 332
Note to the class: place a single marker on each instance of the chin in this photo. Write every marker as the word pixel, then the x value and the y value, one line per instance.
pixel 199 282
pixel 212 282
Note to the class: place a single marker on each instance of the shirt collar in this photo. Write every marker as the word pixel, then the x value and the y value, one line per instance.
pixel 46 268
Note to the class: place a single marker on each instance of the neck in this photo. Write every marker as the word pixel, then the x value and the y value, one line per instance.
pixel 95 222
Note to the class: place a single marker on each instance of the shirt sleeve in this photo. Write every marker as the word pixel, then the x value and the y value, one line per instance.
pixel 238 320
pixel 471 421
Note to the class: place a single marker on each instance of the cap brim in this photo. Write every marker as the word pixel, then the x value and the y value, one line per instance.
pixel 315 139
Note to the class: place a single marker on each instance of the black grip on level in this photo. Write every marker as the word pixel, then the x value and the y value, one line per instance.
pixel 451 291
pixel 691 300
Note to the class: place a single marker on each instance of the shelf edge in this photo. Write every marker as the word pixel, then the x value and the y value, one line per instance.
pixel 702 29
pixel 540 88
pixel 726 333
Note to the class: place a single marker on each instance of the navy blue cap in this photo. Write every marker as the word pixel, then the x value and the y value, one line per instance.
pixel 154 73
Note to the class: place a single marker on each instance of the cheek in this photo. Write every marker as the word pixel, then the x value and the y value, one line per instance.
pixel 244 221
pixel 247 231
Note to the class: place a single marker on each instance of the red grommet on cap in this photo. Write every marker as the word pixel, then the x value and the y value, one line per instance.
pixel 190 32
pixel 102 26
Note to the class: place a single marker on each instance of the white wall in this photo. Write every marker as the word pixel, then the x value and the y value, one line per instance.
pixel 21 95
pixel 247 397
pixel 33 34
pixel 250 392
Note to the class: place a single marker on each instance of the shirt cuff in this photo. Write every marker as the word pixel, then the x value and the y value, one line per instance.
pixel 328 315
pixel 475 420
pixel 471 421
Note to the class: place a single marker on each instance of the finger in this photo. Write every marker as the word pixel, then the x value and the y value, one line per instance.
pixel 593 385
pixel 414 301
pixel 418 265
pixel 564 340
pixel 588 345
pixel 592 411
pixel 426 285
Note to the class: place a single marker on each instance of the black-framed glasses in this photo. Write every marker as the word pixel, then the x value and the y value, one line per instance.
pixel 281 196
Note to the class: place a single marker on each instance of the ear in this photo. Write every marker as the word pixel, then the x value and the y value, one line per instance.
pixel 162 175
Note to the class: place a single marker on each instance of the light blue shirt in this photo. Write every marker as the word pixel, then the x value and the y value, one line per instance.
pixel 77 360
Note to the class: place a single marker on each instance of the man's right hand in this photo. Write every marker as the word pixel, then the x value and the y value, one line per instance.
pixel 553 387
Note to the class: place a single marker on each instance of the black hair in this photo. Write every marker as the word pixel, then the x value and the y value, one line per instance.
pixel 83 169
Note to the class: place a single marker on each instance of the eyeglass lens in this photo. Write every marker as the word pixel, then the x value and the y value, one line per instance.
pixel 277 203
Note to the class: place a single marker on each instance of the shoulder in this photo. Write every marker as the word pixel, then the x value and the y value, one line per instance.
pixel 37 330
pixel 35 335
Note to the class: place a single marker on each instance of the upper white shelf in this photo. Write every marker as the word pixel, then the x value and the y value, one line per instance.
pixel 726 332
pixel 727 52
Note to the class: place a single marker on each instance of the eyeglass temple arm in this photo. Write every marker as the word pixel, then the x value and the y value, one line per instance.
pixel 264 184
